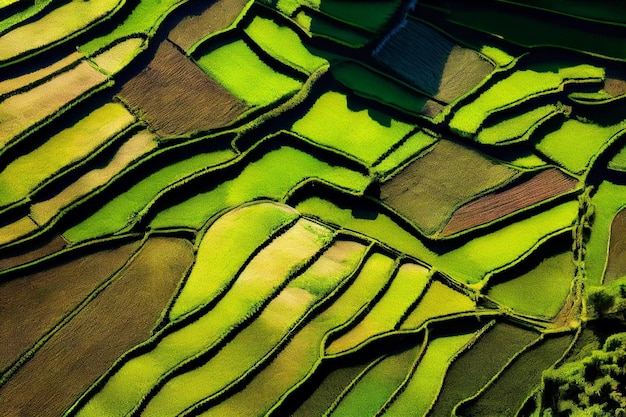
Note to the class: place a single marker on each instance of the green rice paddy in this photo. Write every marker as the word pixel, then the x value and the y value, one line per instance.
pixel 311 207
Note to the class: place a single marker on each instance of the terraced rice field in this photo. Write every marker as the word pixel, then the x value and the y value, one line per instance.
pixel 320 207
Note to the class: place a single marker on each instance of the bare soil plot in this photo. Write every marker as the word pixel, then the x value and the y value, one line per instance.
pixel 34 303
pixel 53 245
pixel 544 185
pixel 21 111
pixel 218 16
pixel 123 315
pixel 463 70
pixel 429 189
pixel 177 97
pixel 615 87
pixel 616 262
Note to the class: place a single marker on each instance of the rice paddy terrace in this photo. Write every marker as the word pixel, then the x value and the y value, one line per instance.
pixel 312 207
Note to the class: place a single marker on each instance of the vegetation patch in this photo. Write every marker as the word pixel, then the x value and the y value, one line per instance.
pixel 175 345
pixel 347 127
pixel 35 302
pixel 283 44
pixel 473 369
pixel 271 176
pixel 246 76
pixel 59 24
pixel 616 261
pixel 517 380
pixel 407 286
pixel 420 391
pixel 118 56
pixel 62 150
pixel 44 209
pixel 541 290
pixel 576 144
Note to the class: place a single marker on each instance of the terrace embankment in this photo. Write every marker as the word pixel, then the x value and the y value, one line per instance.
pixel 176 97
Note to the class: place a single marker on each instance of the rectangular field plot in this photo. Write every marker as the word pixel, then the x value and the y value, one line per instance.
pixel 118 56
pixel 338 122
pixel 246 76
pixel 427 195
pixel 68 147
pixel 177 98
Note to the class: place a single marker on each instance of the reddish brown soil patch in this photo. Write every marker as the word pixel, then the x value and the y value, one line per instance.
pixel 615 87
pixel 176 97
pixel 55 244
pixel 616 262
pixel 542 186
pixel 217 17
pixel 428 190
pixel 123 315
pixel 33 304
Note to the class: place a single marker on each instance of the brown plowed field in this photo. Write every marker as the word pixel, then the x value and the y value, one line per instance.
pixel 616 262
pixel 123 315
pixel 615 87
pixel 544 185
pixel 217 17
pixel 176 97
pixel 53 245
pixel 33 304
pixel 463 71
pixel 429 189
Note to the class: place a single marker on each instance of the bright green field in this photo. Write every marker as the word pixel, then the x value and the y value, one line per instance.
pixel 517 87
pixel 221 254
pixel 265 178
pixel 283 44
pixel 348 127
pixel 244 74
pixel 145 18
